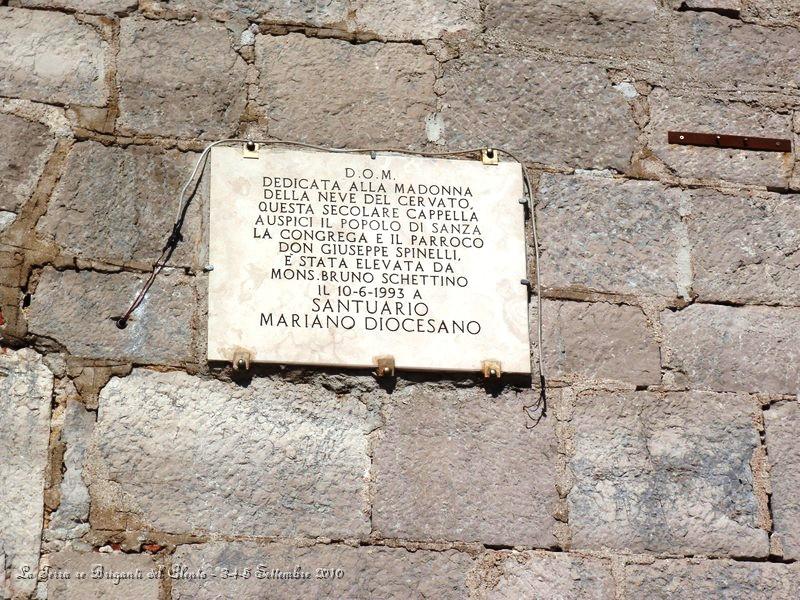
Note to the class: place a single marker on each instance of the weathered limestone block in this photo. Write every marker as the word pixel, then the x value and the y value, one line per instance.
pixel 314 13
pixel 610 235
pixel 108 576
pixel 783 424
pixel 416 19
pixel 71 519
pixel 676 579
pixel 665 473
pixel 516 575
pixel 51 57
pixel 561 114
pixel 26 387
pixel 368 572
pixel 76 309
pixel 270 458
pixel 362 93
pixel 746 248
pixel 597 340
pixel 24 149
pixel 600 27
pixel 671 112
pixel 721 50
pixel 180 79
pixel 119 204
pixel 461 465
pixel 731 348
pixel 97 7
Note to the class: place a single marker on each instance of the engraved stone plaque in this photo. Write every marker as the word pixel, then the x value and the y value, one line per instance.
pixel 325 258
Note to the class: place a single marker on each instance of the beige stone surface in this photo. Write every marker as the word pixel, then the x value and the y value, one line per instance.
pixel 659 473
pixel 632 28
pixel 107 576
pixel 364 94
pixel 100 7
pixel 547 112
pixel 270 458
pixel 772 12
pixel 366 572
pixel 24 149
pixel 721 50
pixel 745 247
pixel 782 422
pixel 51 57
pixel 732 348
pixel 126 211
pixel 179 79
pixel 673 579
pixel 612 235
pixel 288 318
pixel 671 111
pixel 455 465
pixel 416 19
pixel 77 310
pixel 26 387
pixel 514 575
pixel 315 13
pixel 598 340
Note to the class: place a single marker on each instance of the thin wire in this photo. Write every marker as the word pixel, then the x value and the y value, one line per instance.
pixel 199 167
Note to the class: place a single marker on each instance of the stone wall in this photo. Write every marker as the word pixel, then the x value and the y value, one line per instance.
pixel 667 464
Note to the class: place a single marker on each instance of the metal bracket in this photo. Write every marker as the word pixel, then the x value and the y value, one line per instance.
pixel 241 359
pixel 384 366
pixel 491 369
pixel 739 142
pixel 490 156
pixel 250 150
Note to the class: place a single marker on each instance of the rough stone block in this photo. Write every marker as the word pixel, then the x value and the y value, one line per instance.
pixel 181 79
pixel 745 247
pixel 119 204
pixel 51 57
pixel 675 579
pixel 26 388
pixel 547 112
pixel 416 19
pixel 610 235
pixel 314 13
pixel 555 576
pixel 773 12
pixel 107 576
pixel 71 519
pixel 76 309
pixel 264 459
pixel 96 7
pixel 670 112
pixel 597 340
pixel 367 572
pixel 364 94
pixel 461 465
pixel 782 424
pixel 24 149
pixel 601 27
pixel 730 348
pixel 721 50
pixel 665 473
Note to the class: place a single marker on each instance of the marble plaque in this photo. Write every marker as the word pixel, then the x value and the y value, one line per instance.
pixel 323 258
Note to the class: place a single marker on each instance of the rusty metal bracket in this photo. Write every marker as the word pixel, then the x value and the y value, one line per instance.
pixel 241 359
pixel 491 369
pixel 384 366
pixel 738 142
pixel 490 156
pixel 250 150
